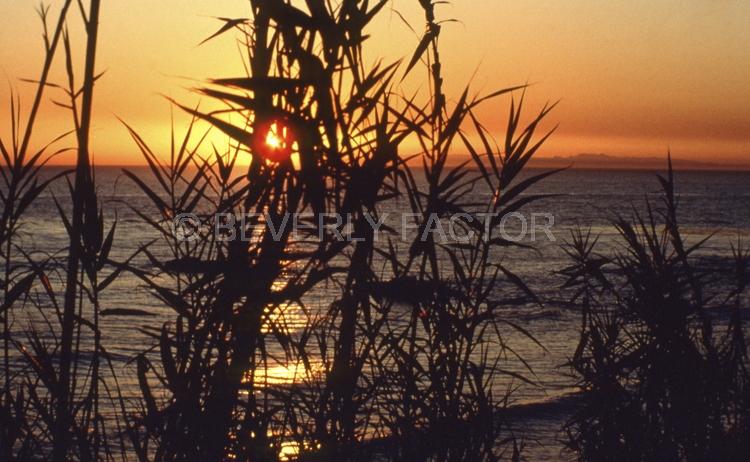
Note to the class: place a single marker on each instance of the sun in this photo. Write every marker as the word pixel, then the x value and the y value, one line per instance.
pixel 273 140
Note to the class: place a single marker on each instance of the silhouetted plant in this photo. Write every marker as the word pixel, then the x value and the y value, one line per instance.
pixel 380 381
pixel 662 357
pixel 53 374
pixel 401 384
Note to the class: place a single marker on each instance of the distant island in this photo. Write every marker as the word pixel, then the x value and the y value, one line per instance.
pixel 606 161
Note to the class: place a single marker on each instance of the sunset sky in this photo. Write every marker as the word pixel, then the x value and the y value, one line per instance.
pixel 634 77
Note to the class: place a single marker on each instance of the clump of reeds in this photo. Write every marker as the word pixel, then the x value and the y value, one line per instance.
pixel 53 360
pixel 662 357
pixel 382 388
pixel 388 384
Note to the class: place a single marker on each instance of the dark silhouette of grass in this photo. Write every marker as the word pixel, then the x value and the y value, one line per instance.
pixel 419 387
pixel 383 383
pixel 52 401
pixel 662 356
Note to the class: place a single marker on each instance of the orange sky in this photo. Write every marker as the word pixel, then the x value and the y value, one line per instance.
pixel 633 77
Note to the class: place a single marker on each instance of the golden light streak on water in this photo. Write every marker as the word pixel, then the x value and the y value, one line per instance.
pixel 285 373
pixel 291 449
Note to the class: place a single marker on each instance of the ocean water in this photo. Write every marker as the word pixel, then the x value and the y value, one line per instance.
pixel 710 202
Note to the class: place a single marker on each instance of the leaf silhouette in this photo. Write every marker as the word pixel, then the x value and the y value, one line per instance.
pixel 421 48
pixel 229 23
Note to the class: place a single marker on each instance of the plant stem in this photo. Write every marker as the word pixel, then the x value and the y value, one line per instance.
pixel 81 192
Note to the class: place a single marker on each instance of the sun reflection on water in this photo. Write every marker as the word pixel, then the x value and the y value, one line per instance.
pixel 282 368
pixel 285 373
pixel 291 449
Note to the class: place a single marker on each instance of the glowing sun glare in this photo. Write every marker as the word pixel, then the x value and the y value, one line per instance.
pixel 273 141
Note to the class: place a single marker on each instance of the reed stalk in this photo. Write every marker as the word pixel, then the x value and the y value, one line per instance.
pixel 82 192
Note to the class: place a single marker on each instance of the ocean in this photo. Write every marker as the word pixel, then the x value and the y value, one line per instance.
pixel 712 202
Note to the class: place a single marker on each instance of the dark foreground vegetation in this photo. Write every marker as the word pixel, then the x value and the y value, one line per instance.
pixel 379 384
pixel 415 386
pixel 662 355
